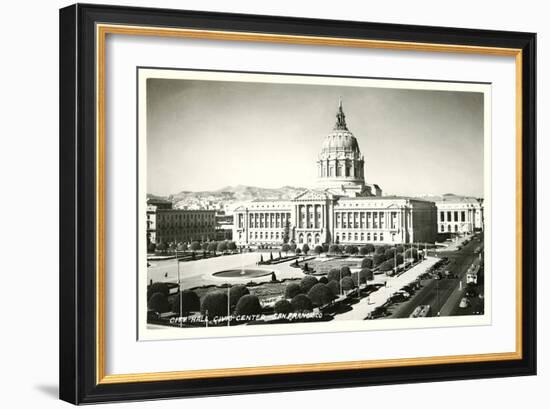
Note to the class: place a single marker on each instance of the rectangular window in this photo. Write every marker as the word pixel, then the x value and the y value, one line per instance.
pixel 448 216
pixel 442 216
pixel 463 216
pixel 374 237
pixel 456 216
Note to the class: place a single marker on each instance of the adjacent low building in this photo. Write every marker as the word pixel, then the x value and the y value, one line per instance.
pixel 168 225
pixel 458 214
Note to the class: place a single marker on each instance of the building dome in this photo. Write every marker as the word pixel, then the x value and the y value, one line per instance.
pixel 340 141
pixel 340 164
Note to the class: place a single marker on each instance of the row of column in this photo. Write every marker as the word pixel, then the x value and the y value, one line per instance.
pixel 443 216
pixel 268 220
pixel 368 220
pixel 310 216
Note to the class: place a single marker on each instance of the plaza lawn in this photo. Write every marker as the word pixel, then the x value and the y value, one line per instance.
pixel 267 292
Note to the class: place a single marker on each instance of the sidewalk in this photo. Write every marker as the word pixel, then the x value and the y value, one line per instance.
pixel 379 297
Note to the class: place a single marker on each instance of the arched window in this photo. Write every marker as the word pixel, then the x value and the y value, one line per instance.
pixel 301 238
pixel 317 239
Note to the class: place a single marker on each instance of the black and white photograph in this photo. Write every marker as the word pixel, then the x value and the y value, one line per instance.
pixel 294 203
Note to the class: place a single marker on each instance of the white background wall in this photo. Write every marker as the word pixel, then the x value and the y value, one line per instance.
pixel 29 205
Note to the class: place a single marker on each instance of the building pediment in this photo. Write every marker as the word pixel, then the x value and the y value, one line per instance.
pixel 312 195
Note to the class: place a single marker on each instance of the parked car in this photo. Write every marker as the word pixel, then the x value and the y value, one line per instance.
pixel 378 312
pixel 398 297
pixel 405 293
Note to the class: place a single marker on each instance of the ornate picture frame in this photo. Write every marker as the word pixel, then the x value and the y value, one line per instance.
pixel 83 180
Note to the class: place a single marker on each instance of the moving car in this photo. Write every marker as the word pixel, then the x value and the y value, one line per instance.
pixel 421 311
pixel 470 292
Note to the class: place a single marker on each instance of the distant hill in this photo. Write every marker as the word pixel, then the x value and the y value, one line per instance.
pixel 229 195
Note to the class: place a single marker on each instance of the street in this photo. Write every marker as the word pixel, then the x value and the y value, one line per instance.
pixel 444 295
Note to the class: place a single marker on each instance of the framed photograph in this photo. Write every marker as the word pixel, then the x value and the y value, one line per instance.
pixel 258 203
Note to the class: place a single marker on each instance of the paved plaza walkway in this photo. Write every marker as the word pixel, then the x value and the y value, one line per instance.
pixel 199 272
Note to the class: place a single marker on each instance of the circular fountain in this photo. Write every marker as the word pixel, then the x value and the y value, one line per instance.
pixel 242 273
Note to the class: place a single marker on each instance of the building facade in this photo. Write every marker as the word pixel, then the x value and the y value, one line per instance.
pixel 342 209
pixel 168 225
pixel 458 214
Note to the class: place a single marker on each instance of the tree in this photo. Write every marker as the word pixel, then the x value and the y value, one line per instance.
pixel 286 248
pixel 231 246
pixel 292 290
pixel 320 295
pixel 214 304
pixel 205 246
pixel 345 270
pixel 334 287
pixel 325 247
pixel 182 247
pixel 366 263
pixel 389 253
pixel 235 294
pixel 411 253
pixel 323 280
pixel 293 246
pixel 347 283
pixel 248 305
pixel 380 250
pixel 378 258
pixel 318 250
pixel 286 233
pixel 334 274
pixel 386 265
pixel 158 303
pixel 162 247
pixel 222 246
pixel 301 303
pixel 151 247
pixel 364 274
pixel 283 307
pixel 190 301
pixel 351 249
pixel 195 246
pixel 399 259
pixel 212 247
pixel 307 282
pixel 157 287
pixel 298 251
pixel 369 247
pixel 305 248
pixel 399 248
pixel 334 249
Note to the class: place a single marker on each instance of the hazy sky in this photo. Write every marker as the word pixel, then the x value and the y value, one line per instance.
pixel 204 135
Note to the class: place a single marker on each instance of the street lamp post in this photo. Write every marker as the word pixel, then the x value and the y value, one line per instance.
pixel 179 289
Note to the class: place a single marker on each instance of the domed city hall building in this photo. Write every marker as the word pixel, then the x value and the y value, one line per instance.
pixel 342 209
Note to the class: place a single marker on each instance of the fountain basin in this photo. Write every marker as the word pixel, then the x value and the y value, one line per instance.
pixel 243 272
